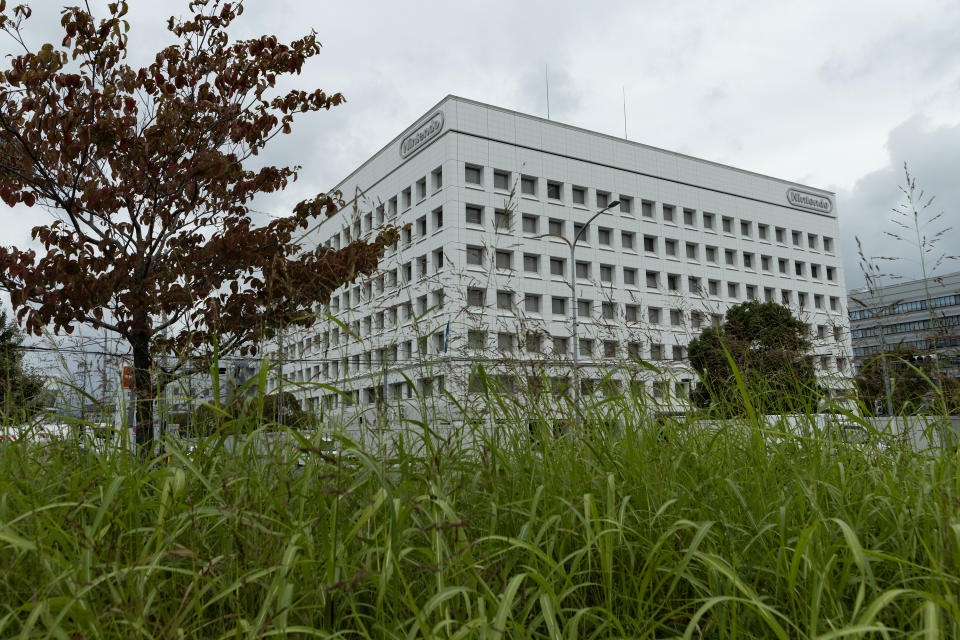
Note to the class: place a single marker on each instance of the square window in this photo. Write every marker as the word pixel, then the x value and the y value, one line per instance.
pixel 656 351
pixel 647 208
pixel 558 306
pixel 501 180
pixel 421 189
pixel 474 214
pixel 606 273
pixel 603 236
pixel 504 259
pixel 811 240
pixel 557 266
pixel 422 226
pixel 406 198
pixel 653 315
pixel 691 251
pixel 797 238
pixel 763 231
pixel 629 276
pixel 745 229
pixel 779 233
pixel 834 303
pixel 676 318
pixel 626 204
pixel 586 347
pixel 553 189
pixel 713 286
pixel 603 199
pixel 472 174
pixel 730 257
pixel 476 339
pixel 668 212
pixel 475 255
pixel 501 220
pixel 673 282
pixel 579 195
pixel 653 279
pixel 437 176
pixel 474 298
pixel 583 269
pixel 559 345
pixel 747 260
pixel 818 301
pixel 693 284
pixel 768 294
pixel 751 292
pixel 727 224
pixel 437 218
pixel 504 300
pixel 670 247
pixel 555 227
pixel 708 220
pixel 505 342
pixel 531 263
pixel 733 290
pixel 649 243
pixel 828 244
pixel 782 265
pixel 584 308
pixel 581 231
pixel 689 217
pixel 711 254
pixel 631 313
pixel 532 303
pixel 626 239
pixel 831 274
pixel 608 310
pixel 609 349
pixel 531 223
pixel 798 268
pixel 765 263
pixel 815 271
pixel 528 185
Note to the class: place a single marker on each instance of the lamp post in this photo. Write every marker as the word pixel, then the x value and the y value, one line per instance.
pixel 573 291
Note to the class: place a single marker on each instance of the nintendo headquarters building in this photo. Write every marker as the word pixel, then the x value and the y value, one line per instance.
pixel 489 200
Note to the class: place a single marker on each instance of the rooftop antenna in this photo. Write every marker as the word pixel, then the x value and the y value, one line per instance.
pixel 546 76
pixel 623 89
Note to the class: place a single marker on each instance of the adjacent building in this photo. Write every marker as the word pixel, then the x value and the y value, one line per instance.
pixel 488 199
pixel 921 315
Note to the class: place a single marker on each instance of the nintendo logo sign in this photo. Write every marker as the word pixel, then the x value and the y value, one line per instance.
pixel 807 200
pixel 422 135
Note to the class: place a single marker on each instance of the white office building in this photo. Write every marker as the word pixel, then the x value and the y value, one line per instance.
pixel 475 280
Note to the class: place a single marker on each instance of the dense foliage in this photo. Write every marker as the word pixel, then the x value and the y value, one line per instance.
pixel 146 171
pixel 21 390
pixel 725 529
pixel 759 353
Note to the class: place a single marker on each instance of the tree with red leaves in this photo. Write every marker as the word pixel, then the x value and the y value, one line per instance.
pixel 143 171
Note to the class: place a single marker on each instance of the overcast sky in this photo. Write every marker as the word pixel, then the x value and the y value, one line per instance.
pixel 837 95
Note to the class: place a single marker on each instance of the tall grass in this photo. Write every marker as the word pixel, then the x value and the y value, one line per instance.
pixel 619 524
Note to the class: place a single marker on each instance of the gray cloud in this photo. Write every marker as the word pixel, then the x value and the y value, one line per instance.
pixel 932 154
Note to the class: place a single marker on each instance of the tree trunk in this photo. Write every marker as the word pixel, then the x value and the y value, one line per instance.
pixel 144 393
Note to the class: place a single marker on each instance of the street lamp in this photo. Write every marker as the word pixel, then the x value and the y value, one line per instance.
pixel 573 291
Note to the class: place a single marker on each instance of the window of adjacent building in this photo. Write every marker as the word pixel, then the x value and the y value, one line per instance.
pixel 555 227
pixel 603 199
pixel 653 315
pixel 668 212
pixel 626 239
pixel 531 303
pixel 475 255
pixel 472 174
pixel 629 276
pixel 584 308
pixel 631 313
pixel 689 217
pixel 603 236
pixel 670 247
pixel 650 243
pixel 474 214
pixel 504 259
pixel 579 195
pixel 606 273
pixel 501 180
pixel 653 279
pixel 556 266
pixel 531 223
pixel 554 189
pixel 504 300
pixel 646 208
pixel 626 204
pixel 607 310
pixel 583 269
pixel 558 306
pixel 531 263
pixel 474 298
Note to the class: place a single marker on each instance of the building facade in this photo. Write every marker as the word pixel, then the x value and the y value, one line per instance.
pixel 918 315
pixel 486 198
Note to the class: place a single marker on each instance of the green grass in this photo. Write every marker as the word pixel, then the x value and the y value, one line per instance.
pixel 644 530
